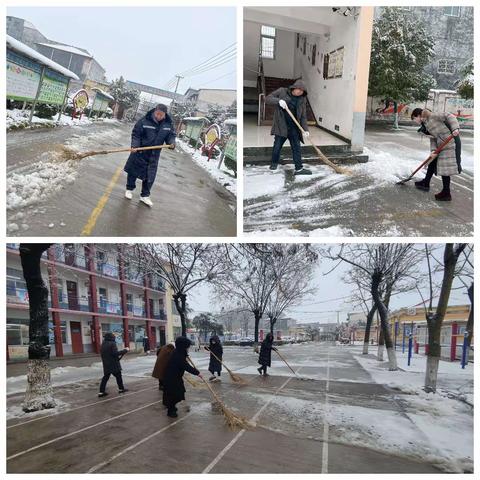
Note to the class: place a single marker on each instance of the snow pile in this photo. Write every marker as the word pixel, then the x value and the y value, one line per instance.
pixel 15 410
pixel 17 119
pixel 222 175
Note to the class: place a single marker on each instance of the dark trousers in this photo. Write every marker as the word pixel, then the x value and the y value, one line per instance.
pixel 263 368
pixel 146 185
pixel 294 139
pixel 105 378
pixel 171 406
pixel 432 166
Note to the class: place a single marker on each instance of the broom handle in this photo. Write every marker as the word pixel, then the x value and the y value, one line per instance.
pixel 228 370
pixel 286 362
pixel 190 361
pixel 319 152
pixel 137 149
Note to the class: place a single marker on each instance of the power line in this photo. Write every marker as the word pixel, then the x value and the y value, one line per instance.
pixel 207 65
pixel 219 78
pixel 213 58
pixel 212 66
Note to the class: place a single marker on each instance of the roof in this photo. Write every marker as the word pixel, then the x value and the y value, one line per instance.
pixel 230 121
pixel 20 47
pixel 102 92
pixel 67 48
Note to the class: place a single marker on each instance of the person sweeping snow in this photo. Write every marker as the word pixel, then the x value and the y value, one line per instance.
pixel 265 357
pixel 283 128
pixel 438 126
pixel 111 363
pixel 163 356
pixel 216 355
pixel 173 387
pixel 155 128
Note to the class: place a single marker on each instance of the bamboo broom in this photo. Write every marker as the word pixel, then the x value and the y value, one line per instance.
pixel 235 378
pixel 323 158
pixel 287 364
pixel 70 154
pixel 232 419
pixel 193 382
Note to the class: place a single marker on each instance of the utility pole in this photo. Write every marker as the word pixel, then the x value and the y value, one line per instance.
pixel 178 77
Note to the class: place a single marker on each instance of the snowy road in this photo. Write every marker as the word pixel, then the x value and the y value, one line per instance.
pixel 365 203
pixel 333 419
pixel 48 195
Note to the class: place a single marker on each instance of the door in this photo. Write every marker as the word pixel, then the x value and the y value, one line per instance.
pixel 72 295
pixel 163 340
pixel 76 333
pixel 153 338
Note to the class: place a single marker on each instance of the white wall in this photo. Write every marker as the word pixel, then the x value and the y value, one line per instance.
pixel 281 66
pixel 331 99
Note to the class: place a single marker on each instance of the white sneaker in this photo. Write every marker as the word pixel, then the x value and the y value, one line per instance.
pixel 146 201
pixel 128 194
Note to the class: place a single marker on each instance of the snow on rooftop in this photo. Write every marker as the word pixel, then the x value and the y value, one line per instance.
pixel 102 92
pixel 38 57
pixel 67 48
pixel 195 119
pixel 231 121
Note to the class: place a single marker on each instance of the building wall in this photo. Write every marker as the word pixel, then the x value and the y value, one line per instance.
pixel 282 66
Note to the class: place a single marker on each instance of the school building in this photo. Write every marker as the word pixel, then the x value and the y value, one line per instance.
pixel 92 291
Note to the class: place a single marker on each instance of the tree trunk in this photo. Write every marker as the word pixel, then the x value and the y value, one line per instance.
pixel 258 317
pixel 395 115
pixel 368 326
pixel 381 346
pixel 273 321
pixel 180 300
pixel 39 394
pixel 435 321
pixel 383 312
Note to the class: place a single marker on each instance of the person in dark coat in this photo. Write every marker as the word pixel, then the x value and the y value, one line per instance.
pixel 173 387
pixel 215 347
pixel 146 344
pixel 265 357
pixel 163 356
pixel 155 128
pixel 111 363
pixel 283 128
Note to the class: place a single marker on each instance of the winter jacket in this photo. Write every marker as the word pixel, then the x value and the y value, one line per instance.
pixel 440 126
pixel 280 125
pixel 216 348
pixel 147 133
pixel 174 389
pixel 265 357
pixel 163 357
pixel 110 355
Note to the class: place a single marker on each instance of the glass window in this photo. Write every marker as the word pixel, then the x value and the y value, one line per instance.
pixel 268 35
pixel 447 66
pixel 451 11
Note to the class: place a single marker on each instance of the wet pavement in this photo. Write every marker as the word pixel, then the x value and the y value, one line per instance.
pixel 294 432
pixel 87 197
pixel 365 203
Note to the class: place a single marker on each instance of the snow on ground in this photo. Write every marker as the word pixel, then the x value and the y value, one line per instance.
pixel 17 118
pixel 222 175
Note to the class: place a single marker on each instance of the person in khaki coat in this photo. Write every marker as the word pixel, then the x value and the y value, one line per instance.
pixel 163 356
pixel 438 126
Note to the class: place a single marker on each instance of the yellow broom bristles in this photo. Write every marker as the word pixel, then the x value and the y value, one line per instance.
pixel 235 378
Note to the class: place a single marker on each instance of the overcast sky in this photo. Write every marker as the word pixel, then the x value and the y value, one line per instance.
pixel 144 44
pixel 328 299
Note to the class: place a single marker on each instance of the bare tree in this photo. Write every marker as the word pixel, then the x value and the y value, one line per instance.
pixel 385 267
pixel 181 265
pixel 449 269
pixel 39 394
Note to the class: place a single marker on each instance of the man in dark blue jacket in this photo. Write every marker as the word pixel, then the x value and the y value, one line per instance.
pixel 155 128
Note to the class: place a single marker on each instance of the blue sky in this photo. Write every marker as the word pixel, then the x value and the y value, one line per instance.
pixel 144 44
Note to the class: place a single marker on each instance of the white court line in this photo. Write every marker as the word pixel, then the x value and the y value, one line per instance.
pixel 135 445
pixel 79 408
pixel 31 449
pixel 241 432
pixel 326 425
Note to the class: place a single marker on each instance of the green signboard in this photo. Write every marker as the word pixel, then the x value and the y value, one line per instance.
pixel 22 83
pixel 53 89
pixel 100 104
pixel 231 148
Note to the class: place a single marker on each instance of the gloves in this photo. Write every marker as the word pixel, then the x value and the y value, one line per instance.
pixel 172 146
pixel 306 134
pixel 282 104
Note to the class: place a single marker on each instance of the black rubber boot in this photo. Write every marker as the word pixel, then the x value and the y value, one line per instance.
pixel 443 196
pixel 303 171
pixel 421 185
pixel 273 166
pixel 172 413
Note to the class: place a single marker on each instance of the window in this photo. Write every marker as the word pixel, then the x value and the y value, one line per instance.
pixel 304 49
pixel 447 66
pixel 314 54
pixel 268 35
pixel 451 11
pixel 298 40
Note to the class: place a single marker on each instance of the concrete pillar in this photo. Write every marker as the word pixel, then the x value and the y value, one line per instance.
pixel 123 296
pixel 52 278
pixel 92 286
pixel 453 342
pixel 362 69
